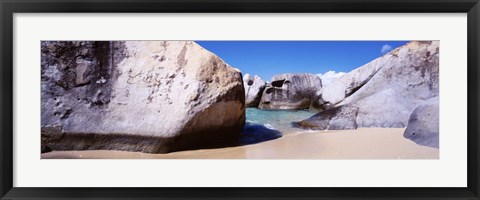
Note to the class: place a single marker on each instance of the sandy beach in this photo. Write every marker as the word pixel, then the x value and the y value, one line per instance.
pixel 362 143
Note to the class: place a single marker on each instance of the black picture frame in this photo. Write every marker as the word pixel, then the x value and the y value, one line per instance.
pixel 9 7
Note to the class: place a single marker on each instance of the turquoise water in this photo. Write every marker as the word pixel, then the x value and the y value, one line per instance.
pixel 277 119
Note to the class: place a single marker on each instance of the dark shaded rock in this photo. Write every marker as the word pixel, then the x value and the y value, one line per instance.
pixel 317 104
pixel 423 125
pixel 45 149
pixel 254 87
pixel 290 91
pixel 149 96
pixel 255 133
pixel 338 118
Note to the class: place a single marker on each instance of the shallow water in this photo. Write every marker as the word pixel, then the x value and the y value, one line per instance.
pixel 277 119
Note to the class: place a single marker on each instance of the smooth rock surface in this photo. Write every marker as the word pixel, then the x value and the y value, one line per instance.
pixel 338 118
pixel 149 96
pixel 423 125
pixel 254 87
pixel 344 86
pixel 387 89
pixel 290 91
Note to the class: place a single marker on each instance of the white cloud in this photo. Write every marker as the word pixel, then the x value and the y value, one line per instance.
pixel 386 48
pixel 329 77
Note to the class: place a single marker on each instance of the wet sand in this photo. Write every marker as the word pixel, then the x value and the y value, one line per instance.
pixel 363 143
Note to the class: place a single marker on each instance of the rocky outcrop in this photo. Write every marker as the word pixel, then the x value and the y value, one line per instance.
pixel 387 89
pixel 290 91
pixel 149 96
pixel 338 118
pixel 254 87
pixel 423 125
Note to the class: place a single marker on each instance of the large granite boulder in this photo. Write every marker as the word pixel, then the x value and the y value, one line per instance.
pixel 338 118
pixel 344 86
pixel 423 125
pixel 254 87
pixel 290 91
pixel 149 96
pixel 387 89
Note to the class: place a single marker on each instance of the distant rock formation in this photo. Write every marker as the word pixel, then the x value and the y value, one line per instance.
pixel 423 125
pixel 149 96
pixel 387 89
pixel 290 91
pixel 254 87
pixel 338 118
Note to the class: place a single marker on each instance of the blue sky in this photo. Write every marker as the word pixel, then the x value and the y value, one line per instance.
pixel 266 58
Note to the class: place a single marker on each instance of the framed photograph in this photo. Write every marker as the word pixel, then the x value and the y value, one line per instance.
pixel 234 99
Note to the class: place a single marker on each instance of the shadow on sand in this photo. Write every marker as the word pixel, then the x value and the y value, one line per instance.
pixel 256 133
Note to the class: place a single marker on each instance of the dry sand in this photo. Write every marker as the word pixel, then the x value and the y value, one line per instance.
pixel 363 143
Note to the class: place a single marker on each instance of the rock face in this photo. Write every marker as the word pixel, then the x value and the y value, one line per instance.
pixel 290 91
pixel 343 87
pixel 423 125
pixel 149 96
pixel 254 87
pixel 338 118
pixel 387 89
